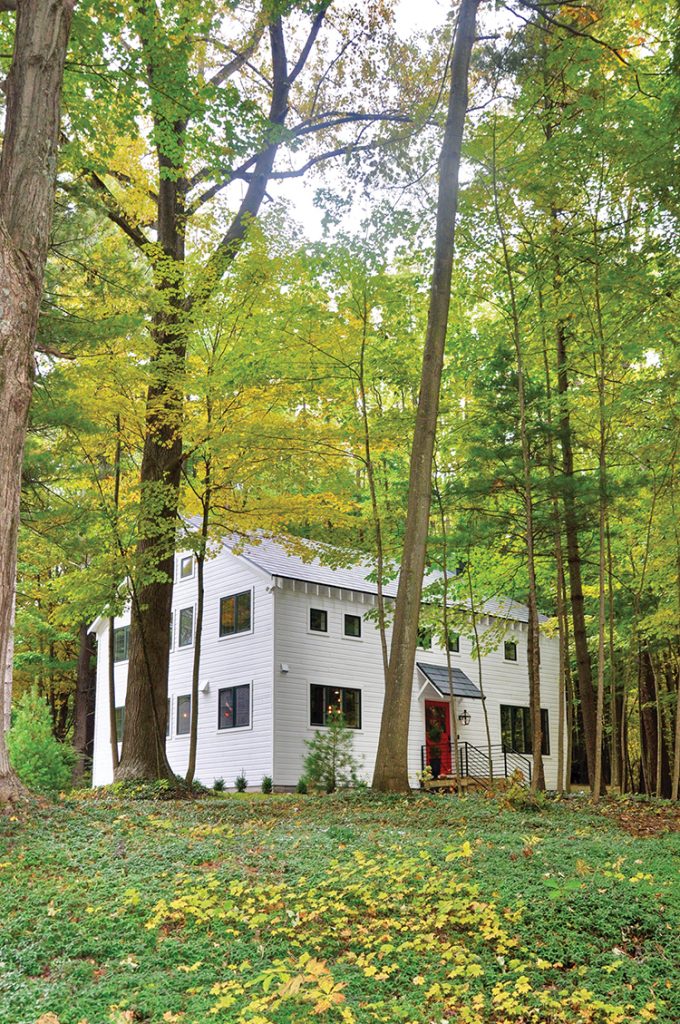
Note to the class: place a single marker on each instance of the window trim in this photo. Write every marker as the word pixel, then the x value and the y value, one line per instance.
pixel 180 735
pixel 178 616
pixel 511 661
pixel 317 632
pixel 240 632
pixel 545 727
pixel 326 686
pixel 183 558
pixel 236 728
pixel 349 636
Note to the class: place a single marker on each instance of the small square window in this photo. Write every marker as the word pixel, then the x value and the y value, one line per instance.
pixel 510 648
pixel 318 620
pixel 184 715
pixel 454 642
pixel 185 636
pixel 353 625
pixel 186 567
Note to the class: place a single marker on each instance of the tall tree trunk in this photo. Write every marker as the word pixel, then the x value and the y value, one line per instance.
pixel 28 163
pixel 602 537
pixel 144 754
pixel 198 629
pixel 391 764
pixel 84 700
pixel 533 635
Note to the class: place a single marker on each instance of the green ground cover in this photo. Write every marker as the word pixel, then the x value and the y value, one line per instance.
pixel 341 909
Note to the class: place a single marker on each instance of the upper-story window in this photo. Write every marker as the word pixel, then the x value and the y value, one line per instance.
pixel 185 629
pixel 186 567
pixel 510 649
pixel 425 637
pixel 318 620
pixel 353 626
pixel 453 643
pixel 236 613
pixel 121 643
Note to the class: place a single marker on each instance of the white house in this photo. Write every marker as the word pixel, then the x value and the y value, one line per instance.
pixel 285 638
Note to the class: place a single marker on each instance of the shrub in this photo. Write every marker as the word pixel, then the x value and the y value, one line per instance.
pixel 218 785
pixel 330 763
pixel 266 784
pixel 41 762
pixel 241 782
pixel 301 786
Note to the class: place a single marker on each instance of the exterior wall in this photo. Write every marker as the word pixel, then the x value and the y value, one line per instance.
pixel 332 659
pixel 243 658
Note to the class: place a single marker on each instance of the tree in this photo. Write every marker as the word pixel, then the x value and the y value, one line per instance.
pixel 27 175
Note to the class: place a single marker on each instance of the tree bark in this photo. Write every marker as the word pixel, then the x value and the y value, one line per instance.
pixel 391 765
pixel 83 711
pixel 27 174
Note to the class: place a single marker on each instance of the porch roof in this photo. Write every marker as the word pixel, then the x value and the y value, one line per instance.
pixel 438 675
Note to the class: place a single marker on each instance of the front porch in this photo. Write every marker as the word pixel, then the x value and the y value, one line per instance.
pixel 463 766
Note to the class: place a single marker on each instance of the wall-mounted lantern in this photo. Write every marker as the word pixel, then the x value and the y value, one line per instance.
pixel 464 717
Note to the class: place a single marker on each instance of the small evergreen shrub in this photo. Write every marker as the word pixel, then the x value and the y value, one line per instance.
pixel 266 785
pixel 301 786
pixel 241 782
pixel 218 785
pixel 330 763
pixel 42 763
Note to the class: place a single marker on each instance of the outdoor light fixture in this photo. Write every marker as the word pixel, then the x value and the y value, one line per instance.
pixel 464 717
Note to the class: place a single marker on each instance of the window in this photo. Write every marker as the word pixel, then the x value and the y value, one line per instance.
pixel 510 648
pixel 120 722
pixel 186 567
pixel 185 636
pixel 335 698
pixel 353 625
pixel 172 619
pixel 233 707
pixel 121 642
pixel 183 715
pixel 516 729
pixel 425 637
pixel 318 620
pixel 454 642
pixel 167 720
pixel 235 614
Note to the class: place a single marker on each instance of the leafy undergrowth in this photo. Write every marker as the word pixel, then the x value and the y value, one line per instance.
pixel 264 910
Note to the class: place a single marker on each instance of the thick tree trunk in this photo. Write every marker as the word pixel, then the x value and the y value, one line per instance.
pixel 391 765
pixel 83 711
pixel 27 174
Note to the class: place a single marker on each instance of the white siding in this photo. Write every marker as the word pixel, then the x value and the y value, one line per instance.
pixel 244 658
pixel 334 660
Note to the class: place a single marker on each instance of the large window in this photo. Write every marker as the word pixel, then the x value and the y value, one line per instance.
pixel 235 613
pixel 185 632
pixel 516 729
pixel 510 650
pixel 183 715
pixel 326 699
pixel 318 620
pixel 121 641
pixel 233 707
pixel 353 626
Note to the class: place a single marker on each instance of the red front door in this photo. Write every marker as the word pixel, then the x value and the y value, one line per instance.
pixel 438 736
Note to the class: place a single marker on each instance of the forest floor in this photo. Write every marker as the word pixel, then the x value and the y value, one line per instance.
pixel 351 908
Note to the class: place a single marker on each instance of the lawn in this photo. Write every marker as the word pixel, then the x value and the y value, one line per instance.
pixel 348 909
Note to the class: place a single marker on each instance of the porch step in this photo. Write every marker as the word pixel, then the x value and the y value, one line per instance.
pixel 465 784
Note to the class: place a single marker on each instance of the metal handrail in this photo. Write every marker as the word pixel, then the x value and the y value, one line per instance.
pixel 474 761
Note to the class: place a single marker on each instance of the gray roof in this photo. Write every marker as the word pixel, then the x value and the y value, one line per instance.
pixel 438 675
pixel 298 559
